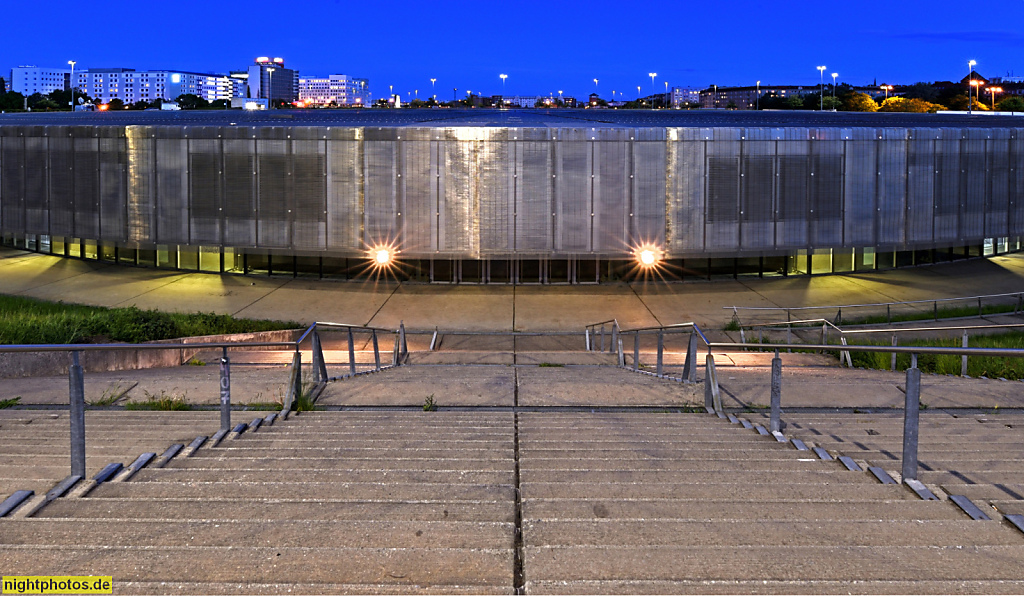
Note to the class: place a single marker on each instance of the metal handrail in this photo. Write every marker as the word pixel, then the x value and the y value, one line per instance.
pixel 784 308
pixel 147 346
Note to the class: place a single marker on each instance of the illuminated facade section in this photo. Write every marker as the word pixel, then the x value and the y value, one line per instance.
pixel 339 90
pixel 269 79
pixel 28 80
pixel 130 86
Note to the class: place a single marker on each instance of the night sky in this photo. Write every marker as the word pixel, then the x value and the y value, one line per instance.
pixel 544 47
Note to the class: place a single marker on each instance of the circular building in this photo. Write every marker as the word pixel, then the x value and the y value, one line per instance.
pixel 521 196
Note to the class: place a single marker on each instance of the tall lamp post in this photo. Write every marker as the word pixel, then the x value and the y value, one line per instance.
pixel 652 75
pixel 821 94
pixel 503 77
pixel 72 63
pixel 757 97
pixel 887 89
pixel 638 95
pixel 834 75
pixel 970 82
pixel 992 91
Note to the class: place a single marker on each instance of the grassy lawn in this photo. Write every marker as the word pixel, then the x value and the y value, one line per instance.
pixel 30 321
pixel 977 366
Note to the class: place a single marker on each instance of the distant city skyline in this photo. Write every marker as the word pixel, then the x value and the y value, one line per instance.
pixel 544 48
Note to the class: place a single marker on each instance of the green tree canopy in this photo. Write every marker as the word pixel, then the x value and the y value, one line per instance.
pixel 115 104
pixel 1011 104
pixel 190 101
pixel 923 91
pixel 859 102
pixel 12 101
pixel 902 104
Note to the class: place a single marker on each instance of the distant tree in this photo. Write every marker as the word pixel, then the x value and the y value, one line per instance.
pixel 859 102
pixel 139 105
pixel 115 104
pixel 1011 104
pixel 793 102
pixel 219 104
pixel 831 103
pixel 731 105
pixel 902 104
pixel 12 101
pixel 923 91
pixel 190 101
pixel 3 86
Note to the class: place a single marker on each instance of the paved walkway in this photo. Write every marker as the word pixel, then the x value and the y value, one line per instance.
pixel 498 307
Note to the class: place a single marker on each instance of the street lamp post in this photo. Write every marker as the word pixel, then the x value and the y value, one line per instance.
pixel 970 82
pixel 821 94
pixel 560 98
pixel 72 63
pixel 638 95
pixel 757 100
pixel 834 75
pixel 652 75
pixel 887 89
pixel 503 77
pixel 992 91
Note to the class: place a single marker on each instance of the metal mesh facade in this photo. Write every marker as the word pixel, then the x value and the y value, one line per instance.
pixel 473 192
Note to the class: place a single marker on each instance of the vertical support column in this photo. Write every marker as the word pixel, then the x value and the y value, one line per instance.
pixel 892 365
pixel 615 334
pixel 376 351
pixel 319 364
pixel 690 364
pixel 911 410
pixel 351 353
pixel 963 359
pixel 622 357
pixel 661 352
pixel 636 351
pixel 403 347
pixel 587 338
pixel 225 391
pixel 76 394
pixel 776 416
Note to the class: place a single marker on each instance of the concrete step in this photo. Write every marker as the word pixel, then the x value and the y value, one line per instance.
pixel 283 533
pixel 592 508
pixel 775 563
pixel 272 588
pixel 832 473
pixel 170 475
pixel 267 441
pixel 660 463
pixel 816 491
pixel 279 509
pixel 242 564
pixel 793 586
pixel 319 491
pixel 610 532
pixel 766 450
pixel 1007 507
pixel 992 492
pixel 272 462
pixel 231 449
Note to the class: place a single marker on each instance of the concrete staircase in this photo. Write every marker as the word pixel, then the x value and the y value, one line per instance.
pixel 323 503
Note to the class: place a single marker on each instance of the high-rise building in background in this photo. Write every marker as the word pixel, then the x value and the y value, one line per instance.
pixel 269 79
pixel 130 86
pixel 341 90
pixel 33 79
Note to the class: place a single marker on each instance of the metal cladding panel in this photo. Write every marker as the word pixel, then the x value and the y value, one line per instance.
pixel 418 187
pixel 87 188
pixel 757 189
pixel 688 205
pixel 826 191
pixel 997 207
pixel 309 227
pixel 171 190
pixel 113 191
pixel 611 195
pixel 141 207
pixel 920 188
pixel 973 184
pixel 573 194
pixel 35 203
pixel 534 165
pixel 205 191
pixel 496 198
pixel 459 223
pixel 12 179
pixel 238 198
pixel 948 202
pixel 274 191
pixel 380 198
pixel 723 187
pixel 860 192
pixel 649 190
pixel 792 202
pixel 892 192
pixel 344 194
pixel 1017 182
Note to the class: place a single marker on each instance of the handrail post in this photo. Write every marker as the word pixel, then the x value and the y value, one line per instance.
pixel 911 410
pixel 586 336
pixel 690 364
pixel 225 391
pixel 76 382
pixel 294 385
pixel 712 395
pixel 661 352
pixel 376 351
pixel 615 334
pixel 893 363
pixel 602 339
pixel 963 359
pixel 636 351
pixel 403 343
pixel 351 353
pixel 776 423
pixel 888 314
pixel 394 352
pixel 319 364
pixel 622 357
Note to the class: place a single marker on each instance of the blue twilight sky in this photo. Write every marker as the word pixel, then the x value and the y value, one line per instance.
pixel 544 47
